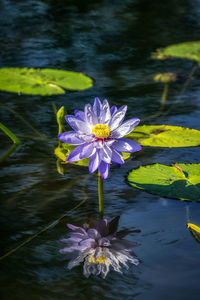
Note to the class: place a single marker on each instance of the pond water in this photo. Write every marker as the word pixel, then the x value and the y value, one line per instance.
pixel 111 42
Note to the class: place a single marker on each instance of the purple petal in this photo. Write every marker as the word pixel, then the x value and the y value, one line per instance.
pixel 117 157
pixel 104 242
pixel 125 128
pixel 105 113
pixel 75 154
pixel 78 125
pixel 103 227
pixel 113 109
pixel 70 137
pixel 94 162
pixel 90 117
pixel 88 243
pixel 88 150
pixel 79 114
pixel 105 154
pixel 97 107
pixel 104 169
pixel 93 233
pixel 73 227
pixel 126 145
pixel 118 117
pixel 79 229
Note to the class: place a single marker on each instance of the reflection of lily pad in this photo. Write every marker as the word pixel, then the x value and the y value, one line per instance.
pixel 64 150
pixel 181 181
pixel 165 136
pixel 42 81
pixel 188 50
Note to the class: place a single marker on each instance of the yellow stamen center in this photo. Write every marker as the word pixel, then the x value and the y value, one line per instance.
pixel 101 131
pixel 98 260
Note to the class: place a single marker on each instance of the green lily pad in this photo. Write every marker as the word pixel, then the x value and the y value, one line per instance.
pixel 64 150
pixel 165 136
pixel 42 81
pixel 180 181
pixel 188 50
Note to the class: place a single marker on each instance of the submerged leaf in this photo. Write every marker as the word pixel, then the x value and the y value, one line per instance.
pixel 181 181
pixel 42 81
pixel 165 136
pixel 188 50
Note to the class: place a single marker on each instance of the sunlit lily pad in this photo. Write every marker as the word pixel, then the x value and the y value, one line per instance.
pixel 64 150
pixel 180 181
pixel 165 136
pixel 188 50
pixel 42 81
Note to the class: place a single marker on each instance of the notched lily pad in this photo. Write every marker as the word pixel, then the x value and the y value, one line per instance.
pixel 180 181
pixel 42 81
pixel 188 50
pixel 165 136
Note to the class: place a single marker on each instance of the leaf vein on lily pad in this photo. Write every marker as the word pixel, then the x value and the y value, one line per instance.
pixel 42 81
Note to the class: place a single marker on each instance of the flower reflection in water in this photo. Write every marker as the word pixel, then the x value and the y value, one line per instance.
pixel 100 246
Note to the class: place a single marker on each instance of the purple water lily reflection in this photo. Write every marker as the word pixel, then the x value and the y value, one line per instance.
pixel 98 134
pixel 100 246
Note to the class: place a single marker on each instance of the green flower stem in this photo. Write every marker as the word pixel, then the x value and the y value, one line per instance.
pixel 100 193
pixel 164 96
pixel 11 135
pixel 10 150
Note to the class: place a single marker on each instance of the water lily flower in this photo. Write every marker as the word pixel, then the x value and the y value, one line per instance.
pixel 99 246
pixel 98 134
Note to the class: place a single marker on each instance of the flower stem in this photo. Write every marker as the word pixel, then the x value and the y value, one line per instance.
pixel 100 193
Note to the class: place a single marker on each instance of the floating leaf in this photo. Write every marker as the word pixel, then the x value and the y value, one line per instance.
pixel 64 150
pixel 42 81
pixel 181 181
pixel 193 227
pixel 195 230
pixel 188 50
pixel 165 136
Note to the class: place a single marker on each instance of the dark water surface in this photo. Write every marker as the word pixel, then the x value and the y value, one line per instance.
pixel 112 42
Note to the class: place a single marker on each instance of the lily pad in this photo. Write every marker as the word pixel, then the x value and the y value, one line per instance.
pixel 64 150
pixel 188 50
pixel 42 81
pixel 180 181
pixel 165 136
